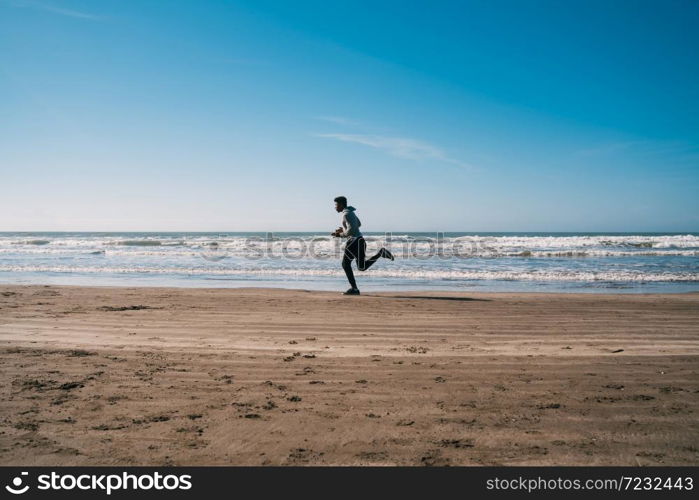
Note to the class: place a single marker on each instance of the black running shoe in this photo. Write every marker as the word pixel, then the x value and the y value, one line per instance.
pixel 387 254
pixel 351 291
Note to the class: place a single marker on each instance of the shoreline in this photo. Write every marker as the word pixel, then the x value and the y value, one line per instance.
pixel 266 376
pixel 373 292
pixel 369 288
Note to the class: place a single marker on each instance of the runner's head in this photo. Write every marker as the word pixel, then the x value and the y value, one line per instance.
pixel 340 203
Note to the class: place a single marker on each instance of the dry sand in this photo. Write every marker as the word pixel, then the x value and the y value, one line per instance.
pixel 164 376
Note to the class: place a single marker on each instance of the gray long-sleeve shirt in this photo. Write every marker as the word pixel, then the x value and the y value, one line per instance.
pixel 350 223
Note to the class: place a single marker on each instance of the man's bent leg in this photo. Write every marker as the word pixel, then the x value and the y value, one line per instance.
pixel 363 264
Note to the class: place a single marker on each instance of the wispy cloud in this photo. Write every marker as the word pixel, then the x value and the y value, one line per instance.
pixel 32 4
pixel 339 120
pixel 401 147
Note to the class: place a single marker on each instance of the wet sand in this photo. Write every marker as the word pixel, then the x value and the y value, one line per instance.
pixel 166 376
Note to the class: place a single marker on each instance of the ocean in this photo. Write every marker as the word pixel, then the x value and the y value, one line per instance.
pixel 538 262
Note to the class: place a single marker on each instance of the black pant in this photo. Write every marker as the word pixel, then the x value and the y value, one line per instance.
pixel 356 249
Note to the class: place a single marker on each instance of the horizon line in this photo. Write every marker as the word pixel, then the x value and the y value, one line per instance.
pixel 325 231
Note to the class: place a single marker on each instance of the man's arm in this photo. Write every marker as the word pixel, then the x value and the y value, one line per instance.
pixel 340 231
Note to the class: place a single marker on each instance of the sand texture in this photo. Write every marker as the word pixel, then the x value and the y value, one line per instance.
pixel 165 376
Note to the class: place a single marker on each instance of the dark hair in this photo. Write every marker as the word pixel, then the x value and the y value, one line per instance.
pixel 341 200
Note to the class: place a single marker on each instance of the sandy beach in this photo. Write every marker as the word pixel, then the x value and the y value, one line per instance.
pixel 176 376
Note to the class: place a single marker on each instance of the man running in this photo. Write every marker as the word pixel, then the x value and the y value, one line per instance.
pixel 356 245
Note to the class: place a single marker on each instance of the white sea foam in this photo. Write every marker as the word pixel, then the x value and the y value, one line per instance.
pixel 420 258
pixel 503 241
pixel 510 275
pixel 328 251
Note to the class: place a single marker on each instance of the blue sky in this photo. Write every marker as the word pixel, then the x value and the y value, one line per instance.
pixel 432 116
